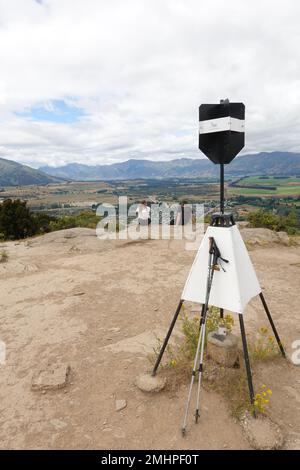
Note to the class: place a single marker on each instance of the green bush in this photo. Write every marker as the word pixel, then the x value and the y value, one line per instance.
pixel 16 220
pixel 84 219
pixel 265 219
pixel 43 222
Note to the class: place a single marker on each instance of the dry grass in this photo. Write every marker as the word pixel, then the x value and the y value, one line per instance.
pixel 3 256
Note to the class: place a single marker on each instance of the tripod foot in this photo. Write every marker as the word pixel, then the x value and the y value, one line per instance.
pixel 183 432
pixel 197 416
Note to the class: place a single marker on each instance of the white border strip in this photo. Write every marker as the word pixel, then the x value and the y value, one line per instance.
pixel 221 124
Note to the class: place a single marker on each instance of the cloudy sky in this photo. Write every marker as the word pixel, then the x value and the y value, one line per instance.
pixel 101 81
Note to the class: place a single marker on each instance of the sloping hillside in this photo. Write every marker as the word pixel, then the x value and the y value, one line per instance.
pixel 15 174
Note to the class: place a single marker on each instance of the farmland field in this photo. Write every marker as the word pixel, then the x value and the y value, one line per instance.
pixel 285 186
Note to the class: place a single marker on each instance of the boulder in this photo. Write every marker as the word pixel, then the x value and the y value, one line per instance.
pixel 222 349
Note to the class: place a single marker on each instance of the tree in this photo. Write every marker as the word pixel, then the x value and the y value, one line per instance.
pixel 16 220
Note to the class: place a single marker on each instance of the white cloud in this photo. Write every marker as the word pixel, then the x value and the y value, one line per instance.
pixel 140 69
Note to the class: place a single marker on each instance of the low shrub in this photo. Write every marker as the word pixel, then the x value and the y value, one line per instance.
pixel 265 219
pixel 264 346
pixel 85 219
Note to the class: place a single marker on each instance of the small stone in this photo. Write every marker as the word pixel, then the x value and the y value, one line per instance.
pixel 120 405
pixel 148 383
pixel 52 378
pixel 58 423
pixel 115 330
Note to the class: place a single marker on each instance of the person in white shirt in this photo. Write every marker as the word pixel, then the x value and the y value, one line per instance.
pixel 184 214
pixel 143 213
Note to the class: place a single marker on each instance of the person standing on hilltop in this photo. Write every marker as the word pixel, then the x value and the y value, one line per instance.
pixel 184 213
pixel 143 213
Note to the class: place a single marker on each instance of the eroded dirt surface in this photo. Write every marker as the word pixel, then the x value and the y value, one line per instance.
pixel 97 306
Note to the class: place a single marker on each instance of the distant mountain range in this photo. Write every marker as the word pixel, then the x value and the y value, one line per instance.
pixel 15 174
pixel 264 163
pixel 273 163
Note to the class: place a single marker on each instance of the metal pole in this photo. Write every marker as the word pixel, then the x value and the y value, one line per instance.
pixel 247 360
pixel 158 360
pixel 272 324
pixel 222 188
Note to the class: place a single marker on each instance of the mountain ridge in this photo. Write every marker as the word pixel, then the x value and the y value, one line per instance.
pixel 269 163
pixel 263 163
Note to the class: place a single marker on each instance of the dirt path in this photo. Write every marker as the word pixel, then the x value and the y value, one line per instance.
pixel 70 298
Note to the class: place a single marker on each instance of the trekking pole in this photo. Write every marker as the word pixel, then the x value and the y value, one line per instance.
pixel 200 369
pixel 201 337
pixel 216 256
pixel 215 253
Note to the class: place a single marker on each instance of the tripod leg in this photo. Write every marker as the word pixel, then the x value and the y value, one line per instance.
pixel 272 324
pixel 158 360
pixel 200 340
pixel 247 361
